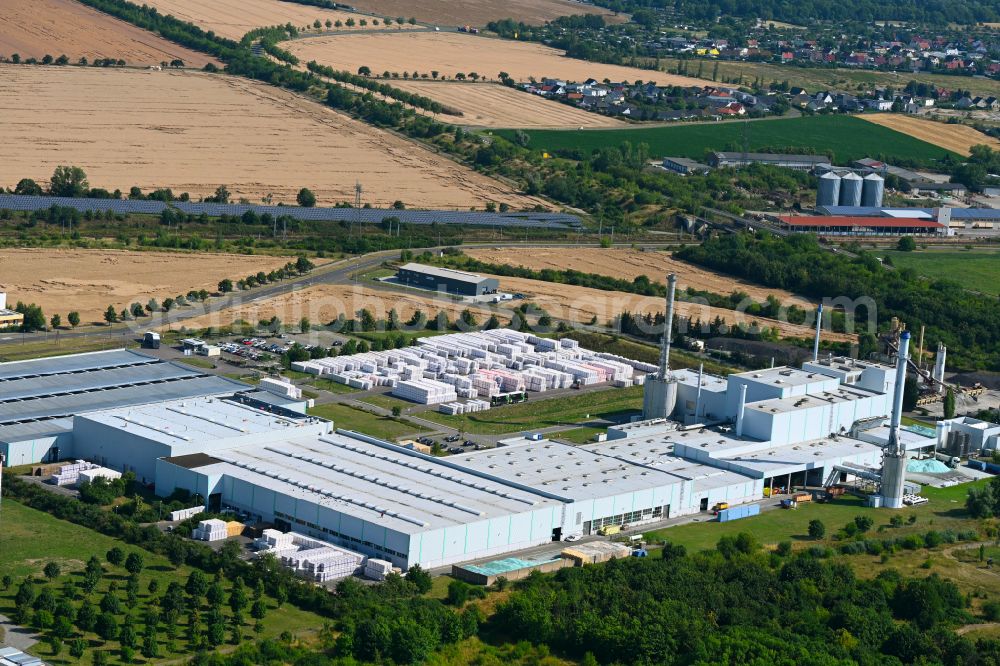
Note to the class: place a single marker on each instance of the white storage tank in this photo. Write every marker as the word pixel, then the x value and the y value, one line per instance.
pixel 828 191
pixel 850 190
pixel 873 190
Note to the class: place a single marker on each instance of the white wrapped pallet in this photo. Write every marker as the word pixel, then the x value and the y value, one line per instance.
pixel 184 514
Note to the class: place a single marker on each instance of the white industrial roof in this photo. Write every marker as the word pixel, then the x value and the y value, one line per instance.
pixel 401 489
pixel 782 375
pixel 570 472
pixel 448 273
pixel 194 420
pixel 801 402
pixel 796 457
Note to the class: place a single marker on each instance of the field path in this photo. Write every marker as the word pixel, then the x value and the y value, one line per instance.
pixel 958 138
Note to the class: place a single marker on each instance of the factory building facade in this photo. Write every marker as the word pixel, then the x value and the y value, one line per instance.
pixel 447 280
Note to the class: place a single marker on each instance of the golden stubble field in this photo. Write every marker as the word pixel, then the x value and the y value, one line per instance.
pixel 89 280
pixel 452 53
pixel 957 138
pixel 630 264
pixel 481 12
pixel 235 18
pixel 35 28
pixel 494 105
pixel 192 132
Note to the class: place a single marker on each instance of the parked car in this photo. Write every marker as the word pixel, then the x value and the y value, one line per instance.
pixel 456 449
pixel 572 537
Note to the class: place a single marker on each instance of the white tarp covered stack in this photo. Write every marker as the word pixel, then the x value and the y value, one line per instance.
pixel 310 558
pixel 378 569
pixel 281 387
pixel 97 472
pixel 425 391
pixel 184 514
pixel 212 529
pixel 469 407
pixel 482 364
pixel 69 474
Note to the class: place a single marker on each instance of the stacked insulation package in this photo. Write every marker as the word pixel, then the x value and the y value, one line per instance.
pixel 212 529
pixel 378 569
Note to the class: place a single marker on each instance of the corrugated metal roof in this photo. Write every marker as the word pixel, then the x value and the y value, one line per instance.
pixel 845 221
pixel 444 273
pixel 72 363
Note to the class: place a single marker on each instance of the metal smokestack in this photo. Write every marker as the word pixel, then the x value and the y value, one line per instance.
pixel 668 326
pixel 819 326
pixel 697 400
pixel 894 456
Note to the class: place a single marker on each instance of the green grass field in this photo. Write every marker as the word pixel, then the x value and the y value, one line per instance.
pixel 978 270
pixel 350 418
pixel 29 539
pixel 613 404
pixel 848 138
pixel 777 525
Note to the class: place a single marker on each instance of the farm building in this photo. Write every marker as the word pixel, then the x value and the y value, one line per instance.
pixel 800 162
pixel 684 165
pixel 447 280
pixel 843 225
pixel 9 318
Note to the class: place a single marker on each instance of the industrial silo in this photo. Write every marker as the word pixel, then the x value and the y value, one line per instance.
pixel 828 192
pixel 873 190
pixel 850 190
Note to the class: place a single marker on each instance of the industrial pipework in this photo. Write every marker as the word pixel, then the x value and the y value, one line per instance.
pixel 894 454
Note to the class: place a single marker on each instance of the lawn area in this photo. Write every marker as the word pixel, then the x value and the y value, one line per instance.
pixel 59 345
pixel 387 402
pixel 351 418
pixel 582 435
pixel 614 344
pixel 945 510
pixel 202 363
pixel 846 137
pixel 613 404
pixel 978 270
pixel 332 387
pixel 30 539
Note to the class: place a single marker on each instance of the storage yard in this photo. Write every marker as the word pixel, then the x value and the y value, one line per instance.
pixel 494 105
pixel 480 12
pixel 192 132
pixel 450 53
pixel 487 368
pixel 88 280
pixel 35 28
pixel 957 138
pixel 630 264
pixel 235 18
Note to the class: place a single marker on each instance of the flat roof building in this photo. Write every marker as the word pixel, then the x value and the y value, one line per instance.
pixel 684 165
pixel 447 280
pixel 799 162
pixel 842 225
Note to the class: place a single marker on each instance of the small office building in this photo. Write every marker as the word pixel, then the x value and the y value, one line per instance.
pixel 447 280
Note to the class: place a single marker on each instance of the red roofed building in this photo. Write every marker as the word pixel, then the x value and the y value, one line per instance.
pixel 839 225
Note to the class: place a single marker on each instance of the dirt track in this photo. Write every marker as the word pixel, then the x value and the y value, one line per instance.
pixel 35 28
pixel 89 280
pixel 451 53
pixel 494 105
pixel 192 132
pixel 629 264
pixel 958 138
pixel 481 12
pixel 235 18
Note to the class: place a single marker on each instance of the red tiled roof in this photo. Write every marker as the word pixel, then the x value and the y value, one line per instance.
pixel 845 221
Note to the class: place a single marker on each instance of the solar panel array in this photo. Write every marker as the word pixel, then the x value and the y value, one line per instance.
pixel 542 220
pixel 118 206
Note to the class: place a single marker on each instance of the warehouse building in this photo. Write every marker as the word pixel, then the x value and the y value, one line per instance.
pixel 9 318
pixel 39 398
pixel 446 280
pixel 684 166
pixel 837 225
pixel 799 162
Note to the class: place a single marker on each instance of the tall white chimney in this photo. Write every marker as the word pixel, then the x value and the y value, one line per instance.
pixel 894 455
pixel 939 360
pixel 668 327
pixel 819 326
pixel 741 410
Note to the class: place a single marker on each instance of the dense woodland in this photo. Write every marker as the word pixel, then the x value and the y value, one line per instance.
pixel 968 323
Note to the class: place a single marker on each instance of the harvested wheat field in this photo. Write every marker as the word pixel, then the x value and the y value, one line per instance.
pixel 581 304
pixel 35 28
pixel 235 18
pixel 89 280
pixel 481 12
pixel 494 105
pixel 630 264
pixel 957 138
pixel 192 131
pixel 453 53
pixel 324 303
